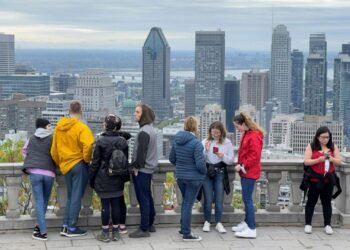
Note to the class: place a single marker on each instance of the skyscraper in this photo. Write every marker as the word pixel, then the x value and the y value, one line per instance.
pixel 231 102
pixel 7 54
pixel 281 67
pixel 255 88
pixel 316 76
pixel 156 74
pixel 96 92
pixel 209 68
pixel 341 90
pixel 190 104
pixel 297 80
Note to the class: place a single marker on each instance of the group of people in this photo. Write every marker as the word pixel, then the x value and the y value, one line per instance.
pixel 201 170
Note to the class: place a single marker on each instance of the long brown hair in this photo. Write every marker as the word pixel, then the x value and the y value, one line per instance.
pixel 217 125
pixel 248 121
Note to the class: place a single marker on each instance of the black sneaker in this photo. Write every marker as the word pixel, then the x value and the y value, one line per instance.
pixel 152 229
pixel 191 237
pixel 139 234
pixel 76 233
pixel 36 229
pixel 180 233
pixel 64 231
pixel 39 236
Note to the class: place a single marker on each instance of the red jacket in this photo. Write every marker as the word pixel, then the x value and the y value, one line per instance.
pixel 249 153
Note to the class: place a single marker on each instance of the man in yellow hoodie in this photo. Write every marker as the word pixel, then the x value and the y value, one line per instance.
pixel 72 151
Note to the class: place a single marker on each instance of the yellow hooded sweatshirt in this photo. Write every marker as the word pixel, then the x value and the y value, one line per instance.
pixel 72 143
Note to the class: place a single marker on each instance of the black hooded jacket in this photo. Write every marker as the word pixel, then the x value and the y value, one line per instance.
pixel 105 185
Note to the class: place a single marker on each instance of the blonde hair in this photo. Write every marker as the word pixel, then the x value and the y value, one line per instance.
pixel 248 121
pixel 191 124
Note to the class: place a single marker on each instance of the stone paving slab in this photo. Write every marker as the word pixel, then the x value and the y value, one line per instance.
pixel 166 238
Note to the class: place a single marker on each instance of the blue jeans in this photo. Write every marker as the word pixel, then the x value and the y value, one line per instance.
pixel 142 183
pixel 76 181
pixel 189 190
pixel 41 188
pixel 213 187
pixel 247 193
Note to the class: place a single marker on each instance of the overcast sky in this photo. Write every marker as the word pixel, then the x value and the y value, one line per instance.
pixel 124 24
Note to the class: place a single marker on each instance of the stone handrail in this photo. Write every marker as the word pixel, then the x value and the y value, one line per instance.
pixel 274 171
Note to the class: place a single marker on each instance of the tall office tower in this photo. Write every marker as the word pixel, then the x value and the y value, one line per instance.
pixel 281 69
pixel 29 85
pixel 156 74
pixel 255 89
pixel 210 114
pixel 96 93
pixel 190 92
pixel 297 80
pixel 341 90
pixel 7 54
pixel 19 114
pixel 64 82
pixel 231 102
pixel 268 112
pixel 209 68
pixel 316 76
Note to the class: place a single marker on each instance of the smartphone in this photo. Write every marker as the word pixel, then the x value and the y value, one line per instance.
pixel 327 155
pixel 215 150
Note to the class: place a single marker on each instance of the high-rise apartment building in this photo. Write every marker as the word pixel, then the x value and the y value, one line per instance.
pixel 297 80
pixel 255 88
pixel 316 76
pixel 190 92
pixel 29 85
pixel 231 102
pixel 7 54
pixel 209 68
pixel 96 93
pixel 64 82
pixel 210 114
pixel 156 74
pixel 341 90
pixel 268 112
pixel 281 69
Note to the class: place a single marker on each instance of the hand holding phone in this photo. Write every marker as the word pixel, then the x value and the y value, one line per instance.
pixel 215 150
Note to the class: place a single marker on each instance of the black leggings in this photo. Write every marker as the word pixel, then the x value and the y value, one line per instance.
pixel 325 194
pixel 115 207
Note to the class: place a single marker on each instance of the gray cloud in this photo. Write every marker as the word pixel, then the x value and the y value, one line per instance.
pixel 124 24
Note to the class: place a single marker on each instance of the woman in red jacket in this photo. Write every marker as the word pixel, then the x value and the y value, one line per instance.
pixel 248 166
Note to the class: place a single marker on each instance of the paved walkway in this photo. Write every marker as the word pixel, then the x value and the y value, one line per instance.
pixel 269 238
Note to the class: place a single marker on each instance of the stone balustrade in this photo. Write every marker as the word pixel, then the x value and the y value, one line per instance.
pixel 273 214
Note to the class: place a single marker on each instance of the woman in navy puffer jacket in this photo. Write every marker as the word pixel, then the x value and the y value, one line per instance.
pixel 187 155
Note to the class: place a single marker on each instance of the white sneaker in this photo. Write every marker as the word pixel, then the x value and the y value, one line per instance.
pixel 246 233
pixel 308 229
pixel 328 229
pixel 220 228
pixel 206 227
pixel 240 227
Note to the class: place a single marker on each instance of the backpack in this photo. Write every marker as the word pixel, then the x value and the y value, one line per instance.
pixel 118 164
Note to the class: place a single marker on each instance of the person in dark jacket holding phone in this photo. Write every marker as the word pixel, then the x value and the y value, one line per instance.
pixel 41 169
pixel 110 188
pixel 321 155
pixel 249 168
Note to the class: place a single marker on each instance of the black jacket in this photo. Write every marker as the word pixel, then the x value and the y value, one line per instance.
pixel 99 180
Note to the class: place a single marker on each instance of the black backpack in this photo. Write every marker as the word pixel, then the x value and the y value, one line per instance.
pixel 118 164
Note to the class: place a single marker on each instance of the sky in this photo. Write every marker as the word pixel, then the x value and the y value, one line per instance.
pixel 124 24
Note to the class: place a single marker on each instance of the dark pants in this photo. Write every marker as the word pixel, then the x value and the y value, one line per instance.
pixel 76 181
pixel 325 194
pixel 142 183
pixel 247 196
pixel 114 207
pixel 189 190
pixel 213 189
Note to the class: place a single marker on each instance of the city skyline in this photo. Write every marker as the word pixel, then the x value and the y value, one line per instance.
pixel 124 25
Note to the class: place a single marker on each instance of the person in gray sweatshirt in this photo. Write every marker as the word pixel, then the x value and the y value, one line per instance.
pixel 41 169
pixel 144 162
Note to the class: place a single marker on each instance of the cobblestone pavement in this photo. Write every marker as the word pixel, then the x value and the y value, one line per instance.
pixel 269 238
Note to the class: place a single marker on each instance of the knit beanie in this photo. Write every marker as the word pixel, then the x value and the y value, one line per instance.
pixel 41 123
